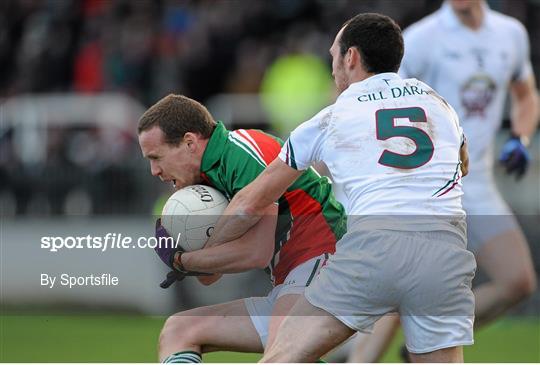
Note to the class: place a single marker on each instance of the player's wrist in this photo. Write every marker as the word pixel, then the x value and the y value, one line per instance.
pixel 523 139
pixel 177 262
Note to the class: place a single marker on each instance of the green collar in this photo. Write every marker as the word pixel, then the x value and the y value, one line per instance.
pixel 214 148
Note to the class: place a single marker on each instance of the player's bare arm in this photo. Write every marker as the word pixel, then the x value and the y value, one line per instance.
pixel 249 204
pixel 525 107
pixel 251 251
pixel 464 158
pixel 210 279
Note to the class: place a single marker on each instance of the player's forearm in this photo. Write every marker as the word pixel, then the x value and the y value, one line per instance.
pixel 241 214
pixel 231 257
pixel 464 158
pixel 209 280
pixel 525 109
pixel 253 250
pixel 231 226
pixel 250 204
pixel 525 118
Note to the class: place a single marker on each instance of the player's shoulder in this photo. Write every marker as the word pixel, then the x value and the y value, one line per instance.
pixel 509 30
pixel 261 146
pixel 324 112
pixel 506 23
pixel 425 90
pixel 252 136
pixel 239 144
pixel 420 84
pixel 419 87
pixel 319 121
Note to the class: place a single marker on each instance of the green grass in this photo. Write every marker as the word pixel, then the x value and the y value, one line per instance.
pixel 508 340
pixel 123 338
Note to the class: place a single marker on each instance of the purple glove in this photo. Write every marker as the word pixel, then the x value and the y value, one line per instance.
pixel 165 252
pixel 515 157
pixel 167 255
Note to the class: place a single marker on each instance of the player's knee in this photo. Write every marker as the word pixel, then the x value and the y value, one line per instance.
pixel 520 286
pixel 179 330
pixel 528 284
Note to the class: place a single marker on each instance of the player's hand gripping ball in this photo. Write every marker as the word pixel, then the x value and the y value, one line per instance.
pixel 170 255
pixel 190 215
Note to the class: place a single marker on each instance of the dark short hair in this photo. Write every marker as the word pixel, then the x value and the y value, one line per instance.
pixel 378 40
pixel 176 115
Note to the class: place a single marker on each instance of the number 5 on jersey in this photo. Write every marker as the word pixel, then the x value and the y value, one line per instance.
pixel 387 129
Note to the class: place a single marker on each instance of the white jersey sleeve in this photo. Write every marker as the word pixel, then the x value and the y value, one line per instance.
pixel 303 147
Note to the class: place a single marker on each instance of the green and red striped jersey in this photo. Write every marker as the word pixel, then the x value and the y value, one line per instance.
pixel 310 219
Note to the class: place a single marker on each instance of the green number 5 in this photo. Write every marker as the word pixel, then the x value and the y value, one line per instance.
pixel 386 129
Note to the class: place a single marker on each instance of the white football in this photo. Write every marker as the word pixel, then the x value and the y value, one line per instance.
pixel 191 213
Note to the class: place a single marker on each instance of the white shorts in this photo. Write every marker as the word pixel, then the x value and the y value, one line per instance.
pixel 260 308
pixel 424 276
pixel 488 215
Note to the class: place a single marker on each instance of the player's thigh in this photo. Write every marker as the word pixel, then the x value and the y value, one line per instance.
pixel 291 290
pixel 488 215
pixel 282 306
pixel 452 354
pixel 506 258
pixel 437 306
pixel 370 348
pixel 306 334
pixel 225 326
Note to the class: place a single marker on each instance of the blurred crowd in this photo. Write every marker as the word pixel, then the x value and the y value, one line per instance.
pixel 149 48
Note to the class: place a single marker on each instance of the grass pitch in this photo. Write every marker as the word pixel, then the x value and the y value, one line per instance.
pixel 132 338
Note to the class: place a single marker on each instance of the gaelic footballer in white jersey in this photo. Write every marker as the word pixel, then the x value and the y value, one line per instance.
pixel 474 78
pixel 413 132
pixel 393 144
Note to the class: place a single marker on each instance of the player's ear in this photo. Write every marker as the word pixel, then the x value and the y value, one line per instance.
pixel 352 57
pixel 192 141
pixel 189 139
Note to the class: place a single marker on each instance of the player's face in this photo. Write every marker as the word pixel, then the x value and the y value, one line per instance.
pixel 464 6
pixel 179 165
pixel 338 66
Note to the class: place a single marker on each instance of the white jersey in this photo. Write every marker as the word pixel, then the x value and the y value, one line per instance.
pixel 470 69
pixel 392 144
